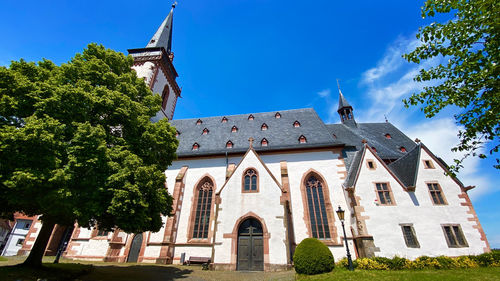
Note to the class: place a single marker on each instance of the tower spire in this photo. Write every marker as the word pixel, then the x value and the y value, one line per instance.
pixel 345 109
pixel 163 36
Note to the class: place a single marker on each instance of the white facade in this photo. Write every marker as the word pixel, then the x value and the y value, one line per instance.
pixel 16 238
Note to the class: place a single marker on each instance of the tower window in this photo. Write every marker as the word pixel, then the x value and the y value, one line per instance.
pixel 302 139
pixel 388 136
pixel 296 124
pixel 164 97
pixel 234 129
pixel 402 148
pixel 224 120
pixel 229 144
pixel 196 146
pixel 263 142
pixel 199 122
pixel 277 115
pixel 263 127
pixel 205 131
pixel 250 117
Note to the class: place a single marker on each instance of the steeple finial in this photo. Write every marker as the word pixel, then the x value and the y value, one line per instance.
pixel 163 36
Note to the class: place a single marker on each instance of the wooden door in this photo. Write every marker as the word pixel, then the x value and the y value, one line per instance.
pixel 250 246
pixel 135 248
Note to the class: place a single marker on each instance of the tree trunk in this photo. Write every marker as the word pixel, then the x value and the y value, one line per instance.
pixel 38 250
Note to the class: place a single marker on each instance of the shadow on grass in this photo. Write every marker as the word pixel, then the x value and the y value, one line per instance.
pixel 46 272
pixel 136 272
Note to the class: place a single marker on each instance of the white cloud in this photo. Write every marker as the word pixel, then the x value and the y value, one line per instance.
pixel 324 93
pixel 388 83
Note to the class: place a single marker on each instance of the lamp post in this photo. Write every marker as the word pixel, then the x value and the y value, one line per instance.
pixel 340 214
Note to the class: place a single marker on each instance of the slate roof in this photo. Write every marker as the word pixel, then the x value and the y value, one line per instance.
pixel 406 167
pixel 374 134
pixel 342 101
pixel 281 134
pixel 163 36
pixel 352 171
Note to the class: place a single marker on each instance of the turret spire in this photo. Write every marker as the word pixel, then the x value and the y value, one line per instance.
pixel 345 109
pixel 163 36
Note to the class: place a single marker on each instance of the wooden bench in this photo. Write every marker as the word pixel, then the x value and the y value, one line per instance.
pixel 202 260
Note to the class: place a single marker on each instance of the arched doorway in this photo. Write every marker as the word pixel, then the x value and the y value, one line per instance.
pixel 135 248
pixel 250 245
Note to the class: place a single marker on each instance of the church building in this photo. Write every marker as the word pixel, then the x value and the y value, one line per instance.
pixel 248 188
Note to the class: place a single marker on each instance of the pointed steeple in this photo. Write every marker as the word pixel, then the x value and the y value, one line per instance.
pixel 163 36
pixel 345 109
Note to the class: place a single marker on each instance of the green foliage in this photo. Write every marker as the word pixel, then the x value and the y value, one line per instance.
pixel 488 259
pixel 313 257
pixel 470 80
pixel 77 143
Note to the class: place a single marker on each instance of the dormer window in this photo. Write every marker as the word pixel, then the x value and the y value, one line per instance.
pixel 388 136
pixel 296 124
pixel 229 144
pixel 263 142
pixel 196 146
pixel 199 122
pixel 277 115
pixel 334 136
pixel 374 149
pixel 205 131
pixel 402 149
pixel 234 129
pixel 177 134
pixel 250 117
pixel 264 127
pixel 224 120
pixel 302 139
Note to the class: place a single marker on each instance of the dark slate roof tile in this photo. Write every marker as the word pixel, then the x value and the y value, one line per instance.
pixel 406 167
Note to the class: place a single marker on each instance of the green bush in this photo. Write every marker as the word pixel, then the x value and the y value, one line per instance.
pixel 345 263
pixel 488 259
pixel 313 257
pixel 445 262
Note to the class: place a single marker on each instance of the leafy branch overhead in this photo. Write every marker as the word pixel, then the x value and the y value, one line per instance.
pixel 470 79
pixel 77 143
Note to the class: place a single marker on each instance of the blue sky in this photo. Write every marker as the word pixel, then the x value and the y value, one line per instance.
pixel 242 56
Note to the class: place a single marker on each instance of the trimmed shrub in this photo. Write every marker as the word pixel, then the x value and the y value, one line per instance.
pixel 313 257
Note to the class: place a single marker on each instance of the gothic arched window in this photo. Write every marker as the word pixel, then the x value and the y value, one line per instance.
pixel 164 97
pixel 318 216
pixel 250 181
pixel 202 209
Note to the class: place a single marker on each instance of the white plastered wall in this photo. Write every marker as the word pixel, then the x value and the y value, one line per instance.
pixel 414 208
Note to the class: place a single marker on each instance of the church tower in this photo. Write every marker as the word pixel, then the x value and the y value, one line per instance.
pixel 345 111
pixel 154 63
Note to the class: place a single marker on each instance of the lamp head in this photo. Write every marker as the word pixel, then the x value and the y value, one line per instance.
pixel 340 214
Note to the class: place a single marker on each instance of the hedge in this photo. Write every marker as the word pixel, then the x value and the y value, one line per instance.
pixel 312 257
pixel 491 259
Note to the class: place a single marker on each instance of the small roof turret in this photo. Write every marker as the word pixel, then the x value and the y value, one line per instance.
pixel 163 36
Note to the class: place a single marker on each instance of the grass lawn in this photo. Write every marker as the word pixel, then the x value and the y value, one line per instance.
pixel 86 270
pixel 482 273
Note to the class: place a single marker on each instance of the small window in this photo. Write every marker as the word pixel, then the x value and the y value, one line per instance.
pixel 263 142
pixel 229 144
pixel 410 237
pixel 334 136
pixel 224 120
pixel 302 139
pixel 371 164
pixel 250 181
pixel 454 236
pixel 196 146
pixel 199 122
pixel 374 149
pixel 250 117
pixel 177 134
pixel 436 194
pixel 102 233
pixel 402 149
pixel 263 127
pixel 296 124
pixel 388 136
pixel 20 242
pixel 384 194
pixel 234 129
pixel 205 131
pixel 428 164
pixel 277 115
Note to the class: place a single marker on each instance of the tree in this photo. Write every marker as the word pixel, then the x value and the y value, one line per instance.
pixel 470 79
pixel 77 144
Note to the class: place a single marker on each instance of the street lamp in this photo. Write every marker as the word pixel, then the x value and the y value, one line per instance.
pixel 340 214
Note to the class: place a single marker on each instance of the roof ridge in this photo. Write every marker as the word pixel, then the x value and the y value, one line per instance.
pixel 243 114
